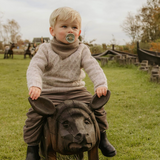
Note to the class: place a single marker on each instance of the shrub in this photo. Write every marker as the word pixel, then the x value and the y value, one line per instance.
pixel 96 49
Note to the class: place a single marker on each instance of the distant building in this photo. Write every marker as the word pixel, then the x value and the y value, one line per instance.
pixel 38 40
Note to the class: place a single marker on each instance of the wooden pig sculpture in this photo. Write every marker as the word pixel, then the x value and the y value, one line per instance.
pixel 70 128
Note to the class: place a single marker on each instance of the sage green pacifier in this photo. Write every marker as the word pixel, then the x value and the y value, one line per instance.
pixel 70 38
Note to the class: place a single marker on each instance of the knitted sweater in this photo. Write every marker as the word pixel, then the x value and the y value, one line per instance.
pixel 50 73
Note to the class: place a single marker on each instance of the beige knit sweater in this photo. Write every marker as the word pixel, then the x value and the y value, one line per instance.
pixel 50 73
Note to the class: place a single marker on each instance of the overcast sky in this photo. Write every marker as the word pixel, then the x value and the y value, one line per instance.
pixel 101 19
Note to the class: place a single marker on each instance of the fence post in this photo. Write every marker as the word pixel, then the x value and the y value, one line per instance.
pixel 137 45
pixel 113 47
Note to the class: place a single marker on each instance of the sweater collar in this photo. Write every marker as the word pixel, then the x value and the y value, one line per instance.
pixel 62 49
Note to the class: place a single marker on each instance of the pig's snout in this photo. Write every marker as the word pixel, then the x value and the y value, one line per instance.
pixel 82 138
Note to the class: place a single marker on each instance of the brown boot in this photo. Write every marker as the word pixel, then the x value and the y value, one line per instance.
pixel 106 148
pixel 33 153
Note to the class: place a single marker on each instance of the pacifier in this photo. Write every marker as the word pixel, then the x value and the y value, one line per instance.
pixel 70 38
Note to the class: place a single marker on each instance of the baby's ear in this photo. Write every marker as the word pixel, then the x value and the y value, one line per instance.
pixel 97 103
pixel 79 32
pixel 43 106
pixel 51 30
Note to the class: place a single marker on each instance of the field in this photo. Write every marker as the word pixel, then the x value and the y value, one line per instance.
pixel 133 111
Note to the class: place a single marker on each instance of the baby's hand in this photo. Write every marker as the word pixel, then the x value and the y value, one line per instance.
pixel 101 91
pixel 34 92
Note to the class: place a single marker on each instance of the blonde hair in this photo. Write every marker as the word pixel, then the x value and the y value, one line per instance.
pixel 64 13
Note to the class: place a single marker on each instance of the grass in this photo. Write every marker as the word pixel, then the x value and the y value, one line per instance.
pixel 133 111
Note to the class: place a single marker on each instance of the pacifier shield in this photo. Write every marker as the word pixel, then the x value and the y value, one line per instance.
pixel 70 38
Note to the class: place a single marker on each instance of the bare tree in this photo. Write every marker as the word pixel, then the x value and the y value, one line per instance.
pixel 10 32
pixel 113 41
pixel 145 25
pixel 1 27
pixel 131 26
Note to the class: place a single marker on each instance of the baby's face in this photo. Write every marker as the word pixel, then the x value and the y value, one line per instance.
pixel 62 28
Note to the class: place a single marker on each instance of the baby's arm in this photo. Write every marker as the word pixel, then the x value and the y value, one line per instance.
pixel 95 73
pixel 101 91
pixel 34 92
pixel 37 67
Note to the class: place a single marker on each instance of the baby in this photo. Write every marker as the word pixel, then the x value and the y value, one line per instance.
pixel 55 72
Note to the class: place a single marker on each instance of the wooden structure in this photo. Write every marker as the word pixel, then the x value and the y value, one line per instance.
pixel 104 61
pixel 144 66
pixel 155 74
pixel 70 128
pixel 122 58
pixel 152 57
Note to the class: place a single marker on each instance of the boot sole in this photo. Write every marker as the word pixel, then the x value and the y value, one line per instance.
pixel 112 154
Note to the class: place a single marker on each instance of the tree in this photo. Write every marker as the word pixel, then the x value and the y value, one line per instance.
pixel 150 23
pixel 9 32
pixel 12 30
pixel 20 42
pixel 113 41
pixel 131 26
pixel 145 25
pixel 1 28
pixel 26 41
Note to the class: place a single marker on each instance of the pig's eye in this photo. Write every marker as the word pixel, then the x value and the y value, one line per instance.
pixel 87 121
pixel 65 124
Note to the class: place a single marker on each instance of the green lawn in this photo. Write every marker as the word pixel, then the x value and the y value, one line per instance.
pixel 133 111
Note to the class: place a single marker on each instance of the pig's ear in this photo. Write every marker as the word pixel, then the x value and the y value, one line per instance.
pixel 97 103
pixel 43 106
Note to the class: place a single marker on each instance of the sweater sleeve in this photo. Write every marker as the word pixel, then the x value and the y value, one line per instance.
pixel 93 69
pixel 36 68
